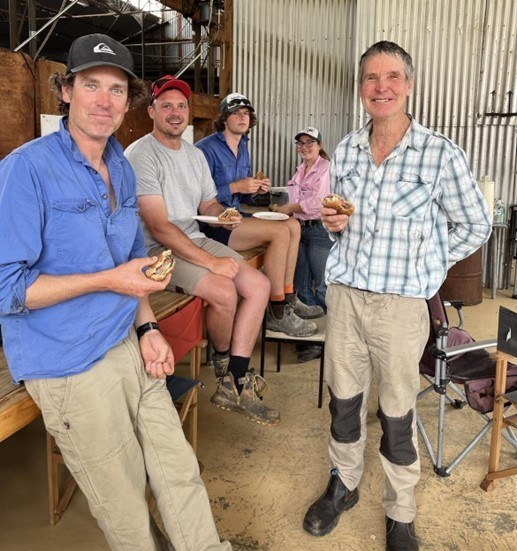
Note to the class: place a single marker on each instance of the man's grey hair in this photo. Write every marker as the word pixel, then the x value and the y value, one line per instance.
pixel 390 48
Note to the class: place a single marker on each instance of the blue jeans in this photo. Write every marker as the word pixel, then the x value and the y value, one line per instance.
pixel 309 277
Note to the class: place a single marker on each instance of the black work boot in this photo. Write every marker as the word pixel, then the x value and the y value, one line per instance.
pixel 323 515
pixel 400 536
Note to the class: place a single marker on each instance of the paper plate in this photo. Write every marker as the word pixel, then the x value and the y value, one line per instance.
pixel 209 220
pixel 271 215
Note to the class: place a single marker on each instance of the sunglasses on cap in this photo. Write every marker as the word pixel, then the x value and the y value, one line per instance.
pixel 168 83
pixel 238 102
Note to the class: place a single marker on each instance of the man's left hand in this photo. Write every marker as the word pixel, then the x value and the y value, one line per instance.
pixel 157 355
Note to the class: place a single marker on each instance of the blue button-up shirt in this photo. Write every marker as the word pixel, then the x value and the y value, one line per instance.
pixel 55 219
pixel 398 240
pixel 226 168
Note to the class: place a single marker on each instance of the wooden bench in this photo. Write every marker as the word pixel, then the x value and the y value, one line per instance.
pixel 17 408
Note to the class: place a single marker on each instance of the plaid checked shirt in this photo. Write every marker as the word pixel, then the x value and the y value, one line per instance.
pixel 398 240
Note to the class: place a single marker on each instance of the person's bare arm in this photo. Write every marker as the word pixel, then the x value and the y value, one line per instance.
pixel 154 214
pixel 126 279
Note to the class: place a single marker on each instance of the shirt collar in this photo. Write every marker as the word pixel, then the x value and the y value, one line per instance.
pixel 70 143
pixel 413 138
pixel 220 136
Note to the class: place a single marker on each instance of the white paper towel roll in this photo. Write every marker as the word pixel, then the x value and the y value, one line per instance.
pixel 487 189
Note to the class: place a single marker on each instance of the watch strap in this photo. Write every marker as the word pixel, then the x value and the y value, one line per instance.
pixel 145 328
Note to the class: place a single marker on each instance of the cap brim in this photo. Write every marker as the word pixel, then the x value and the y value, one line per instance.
pixel 305 134
pixel 100 64
pixel 237 107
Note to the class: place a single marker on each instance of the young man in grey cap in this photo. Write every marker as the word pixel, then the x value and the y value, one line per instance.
pixel 76 321
pixel 227 155
pixel 174 185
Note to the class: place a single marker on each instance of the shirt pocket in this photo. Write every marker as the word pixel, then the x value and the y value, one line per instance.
pixel 412 197
pixel 78 232
pixel 347 185
pixel 124 229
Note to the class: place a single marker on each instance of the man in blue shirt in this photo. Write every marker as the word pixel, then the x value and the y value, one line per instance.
pixel 408 184
pixel 227 155
pixel 77 325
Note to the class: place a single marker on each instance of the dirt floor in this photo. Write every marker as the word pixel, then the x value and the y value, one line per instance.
pixel 261 480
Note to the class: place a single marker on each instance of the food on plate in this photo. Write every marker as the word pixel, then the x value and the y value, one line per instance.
pixel 160 269
pixel 226 215
pixel 340 205
pixel 260 175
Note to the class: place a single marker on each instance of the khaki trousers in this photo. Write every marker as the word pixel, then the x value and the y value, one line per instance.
pixel 117 428
pixel 383 335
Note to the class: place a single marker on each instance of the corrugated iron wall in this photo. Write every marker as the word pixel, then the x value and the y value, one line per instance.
pixel 297 60
pixel 293 61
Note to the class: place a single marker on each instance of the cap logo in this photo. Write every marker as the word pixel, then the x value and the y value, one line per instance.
pixel 103 49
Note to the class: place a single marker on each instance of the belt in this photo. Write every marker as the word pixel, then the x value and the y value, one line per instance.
pixel 304 223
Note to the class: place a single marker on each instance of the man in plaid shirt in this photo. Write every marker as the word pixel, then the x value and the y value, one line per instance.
pixel 407 183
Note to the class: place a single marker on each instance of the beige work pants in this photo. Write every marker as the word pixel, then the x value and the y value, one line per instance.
pixel 117 427
pixel 383 335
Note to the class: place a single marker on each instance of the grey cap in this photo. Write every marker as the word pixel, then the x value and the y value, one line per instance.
pixel 310 131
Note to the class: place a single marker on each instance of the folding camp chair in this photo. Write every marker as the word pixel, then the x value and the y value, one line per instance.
pixel 452 359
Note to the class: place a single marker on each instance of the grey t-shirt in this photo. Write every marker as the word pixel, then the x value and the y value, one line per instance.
pixel 182 177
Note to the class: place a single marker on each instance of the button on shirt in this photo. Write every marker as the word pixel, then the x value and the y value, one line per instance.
pixel 226 167
pixel 55 210
pixel 398 241
pixel 308 189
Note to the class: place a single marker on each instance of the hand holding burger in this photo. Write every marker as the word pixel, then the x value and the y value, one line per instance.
pixel 160 269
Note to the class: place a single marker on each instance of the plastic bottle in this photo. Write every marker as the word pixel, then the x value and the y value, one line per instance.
pixel 499 212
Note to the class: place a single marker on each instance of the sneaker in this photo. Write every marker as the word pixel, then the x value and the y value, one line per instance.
pixel 305 311
pixel 220 363
pixel 247 402
pixel 309 352
pixel 290 323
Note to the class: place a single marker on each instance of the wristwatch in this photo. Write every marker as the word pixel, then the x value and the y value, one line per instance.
pixel 145 328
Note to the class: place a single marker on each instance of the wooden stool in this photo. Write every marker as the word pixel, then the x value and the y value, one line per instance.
pixel 499 423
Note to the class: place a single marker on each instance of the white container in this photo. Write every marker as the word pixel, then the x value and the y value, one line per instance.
pixel 487 189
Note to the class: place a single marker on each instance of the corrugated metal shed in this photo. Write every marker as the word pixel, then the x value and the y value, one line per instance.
pixel 297 61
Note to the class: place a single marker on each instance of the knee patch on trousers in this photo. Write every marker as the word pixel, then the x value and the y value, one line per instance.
pixel 345 426
pixel 397 438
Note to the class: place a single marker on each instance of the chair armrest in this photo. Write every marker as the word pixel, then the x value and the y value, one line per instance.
pixel 469 347
pixel 458 306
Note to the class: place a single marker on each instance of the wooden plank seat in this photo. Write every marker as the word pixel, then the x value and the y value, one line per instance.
pixel 254 257
pixel 17 408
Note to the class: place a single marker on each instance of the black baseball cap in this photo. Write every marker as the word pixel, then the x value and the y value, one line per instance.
pixel 93 50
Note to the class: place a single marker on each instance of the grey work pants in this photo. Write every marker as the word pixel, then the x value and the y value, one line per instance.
pixel 116 426
pixel 383 335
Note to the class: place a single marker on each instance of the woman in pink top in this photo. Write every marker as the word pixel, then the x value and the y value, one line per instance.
pixel 310 183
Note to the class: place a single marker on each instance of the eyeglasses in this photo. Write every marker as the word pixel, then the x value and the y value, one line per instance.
pixel 308 144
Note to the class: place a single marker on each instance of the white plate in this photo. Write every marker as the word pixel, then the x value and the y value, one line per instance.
pixel 277 190
pixel 213 220
pixel 271 215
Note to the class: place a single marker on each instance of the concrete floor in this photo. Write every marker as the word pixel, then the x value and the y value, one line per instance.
pixel 261 480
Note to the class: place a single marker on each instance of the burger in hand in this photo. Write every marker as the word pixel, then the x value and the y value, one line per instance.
pixel 340 205
pixel 226 215
pixel 160 269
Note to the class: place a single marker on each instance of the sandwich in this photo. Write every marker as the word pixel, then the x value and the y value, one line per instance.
pixel 160 269
pixel 227 214
pixel 340 205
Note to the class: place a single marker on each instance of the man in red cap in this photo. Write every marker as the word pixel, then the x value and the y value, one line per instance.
pixel 174 186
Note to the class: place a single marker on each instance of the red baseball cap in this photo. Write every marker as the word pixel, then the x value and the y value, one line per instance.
pixel 168 82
